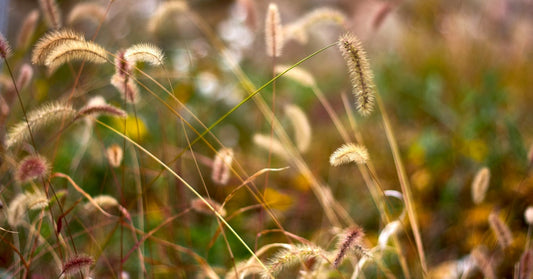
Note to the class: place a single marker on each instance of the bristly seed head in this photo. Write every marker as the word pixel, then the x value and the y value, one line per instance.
pixel 273 31
pixel 351 240
pixel 199 206
pixel 222 166
pixel 32 167
pixel 360 74
pixel 77 263
pixel 5 49
pixel 348 153
pixel 480 185
pixel 501 230
pixel 114 155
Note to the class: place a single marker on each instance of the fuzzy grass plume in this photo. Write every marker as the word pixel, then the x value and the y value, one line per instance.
pixel 268 143
pixel 128 89
pixel 32 167
pixel 38 119
pixel 301 125
pixel 144 53
pixel 351 240
pixel 501 231
pixel 349 153
pixel 291 256
pixel 52 40
pixel 27 29
pixel 114 155
pixel 5 49
pixel 51 12
pixel 297 74
pixel 75 50
pixel 273 31
pixel 360 74
pixel 87 11
pixel 199 206
pixel 164 11
pixel 78 263
pixel 222 166
pixel 299 29
pixel 480 185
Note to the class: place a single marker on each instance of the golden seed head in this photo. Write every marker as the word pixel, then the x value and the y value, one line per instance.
pixel 349 153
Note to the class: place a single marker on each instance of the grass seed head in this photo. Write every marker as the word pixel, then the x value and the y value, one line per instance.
pixel 5 49
pixel 199 206
pixel 349 153
pixel 222 166
pixel 52 40
pixel 360 74
pixel 76 264
pixel 528 215
pixel 480 185
pixel 114 155
pixel 350 240
pixel 301 126
pixel 32 167
pixel 273 31
pixel 501 231
pixel 27 29
pixel 51 12
pixel 87 11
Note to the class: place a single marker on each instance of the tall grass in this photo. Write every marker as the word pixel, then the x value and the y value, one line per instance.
pixel 150 143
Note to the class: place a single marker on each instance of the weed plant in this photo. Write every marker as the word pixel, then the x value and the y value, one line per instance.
pixel 247 139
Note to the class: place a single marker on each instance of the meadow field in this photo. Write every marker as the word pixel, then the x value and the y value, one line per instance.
pixel 256 139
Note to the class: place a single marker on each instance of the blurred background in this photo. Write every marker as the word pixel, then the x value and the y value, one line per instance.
pixel 455 77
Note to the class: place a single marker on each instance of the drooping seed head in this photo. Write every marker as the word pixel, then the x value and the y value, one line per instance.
pixel 25 75
pixel 297 74
pixel 144 53
pixel 32 167
pixel 360 74
pixel 87 11
pixel 76 264
pixel 36 200
pixel 349 153
pixel 127 87
pixel 52 40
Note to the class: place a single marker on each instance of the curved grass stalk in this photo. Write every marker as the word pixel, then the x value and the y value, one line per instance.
pixel 169 169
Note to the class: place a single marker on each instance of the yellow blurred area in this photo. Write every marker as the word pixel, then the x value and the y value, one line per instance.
pixel 277 200
pixel 476 149
pixel 478 215
pixel 135 127
pixel 300 183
